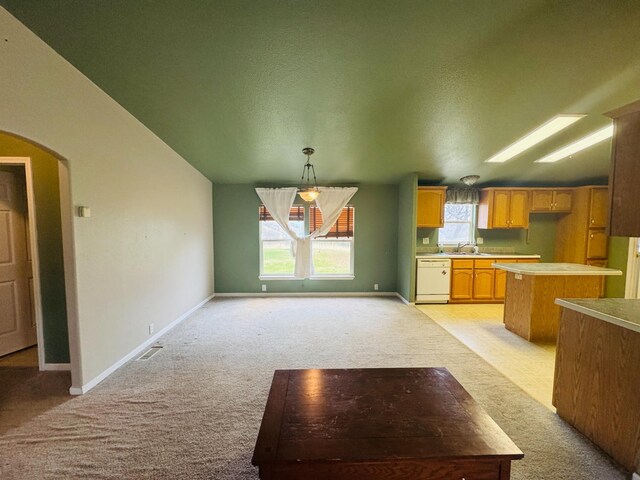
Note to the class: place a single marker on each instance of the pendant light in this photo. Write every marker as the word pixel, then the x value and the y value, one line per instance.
pixel 306 190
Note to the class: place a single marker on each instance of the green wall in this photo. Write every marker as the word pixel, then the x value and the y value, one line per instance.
pixel 236 243
pixel 540 239
pixel 618 257
pixel 47 198
pixel 406 225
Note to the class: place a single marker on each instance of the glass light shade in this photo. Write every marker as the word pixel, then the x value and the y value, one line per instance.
pixel 309 195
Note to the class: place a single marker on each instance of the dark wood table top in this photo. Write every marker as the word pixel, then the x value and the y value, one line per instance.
pixel 378 414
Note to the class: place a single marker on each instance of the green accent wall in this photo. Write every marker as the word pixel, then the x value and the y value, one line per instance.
pixel 47 198
pixel 618 257
pixel 539 240
pixel 236 243
pixel 407 220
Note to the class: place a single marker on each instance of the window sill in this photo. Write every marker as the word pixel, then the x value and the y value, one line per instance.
pixel 315 277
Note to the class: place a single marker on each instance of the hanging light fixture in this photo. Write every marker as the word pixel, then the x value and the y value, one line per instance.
pixel 306 190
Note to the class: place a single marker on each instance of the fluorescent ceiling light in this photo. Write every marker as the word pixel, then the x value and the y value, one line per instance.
pixel 553 126
pixel 585 142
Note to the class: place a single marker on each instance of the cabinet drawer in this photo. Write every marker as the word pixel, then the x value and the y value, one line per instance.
pixel 486 263
pixel 462 263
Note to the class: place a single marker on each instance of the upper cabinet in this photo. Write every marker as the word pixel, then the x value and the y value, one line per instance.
pixel 624 176
pixel 503 208
pixel 548 200
pixel 431 206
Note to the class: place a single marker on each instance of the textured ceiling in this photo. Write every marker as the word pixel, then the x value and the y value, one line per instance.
pixel 378 88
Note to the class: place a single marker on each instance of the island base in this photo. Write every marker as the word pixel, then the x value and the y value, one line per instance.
pixel 529 308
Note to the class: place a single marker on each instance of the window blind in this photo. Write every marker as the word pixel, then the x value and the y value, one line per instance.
pixel 343 228
pixel 296 214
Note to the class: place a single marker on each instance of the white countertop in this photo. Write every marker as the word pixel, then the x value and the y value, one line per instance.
pixel 619 311
pixel 555 269
pixel 474 255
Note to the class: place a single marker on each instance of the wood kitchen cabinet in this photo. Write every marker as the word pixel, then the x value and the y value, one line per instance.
pixel 431 206
pixel 476 281
pixel 624 176
pixel 581 234
pixel 461 279
pixel 503 208
pixel 547 200
pixel 483 283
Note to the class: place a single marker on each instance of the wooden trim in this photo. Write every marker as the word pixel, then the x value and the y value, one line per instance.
pixel 624 110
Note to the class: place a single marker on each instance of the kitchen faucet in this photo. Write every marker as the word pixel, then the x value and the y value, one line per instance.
pixel 461 245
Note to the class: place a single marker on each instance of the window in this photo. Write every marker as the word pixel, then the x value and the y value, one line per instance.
pixel 459 224
pixel 332 254
pixel 276 257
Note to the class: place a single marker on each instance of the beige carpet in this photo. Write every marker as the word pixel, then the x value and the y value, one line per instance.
pixel 193 410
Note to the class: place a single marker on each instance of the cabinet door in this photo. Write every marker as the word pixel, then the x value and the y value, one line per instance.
pixel 501 209
pixel 519 209
pixel 599 208
pixel 499 284
pixel 430 208
pixel 461 284
pixel 562 200
pixel 541 200
pixel 596 243
pixel 483 284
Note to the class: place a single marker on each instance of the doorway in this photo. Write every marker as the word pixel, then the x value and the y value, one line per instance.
pixel 19 266
pixel 632 286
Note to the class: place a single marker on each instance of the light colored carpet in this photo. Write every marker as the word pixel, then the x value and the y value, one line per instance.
pixel 193 410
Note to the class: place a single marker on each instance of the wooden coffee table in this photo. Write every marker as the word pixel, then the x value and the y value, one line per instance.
pixel 379 423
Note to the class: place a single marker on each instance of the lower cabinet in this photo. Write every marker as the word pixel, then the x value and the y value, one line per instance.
pixel 476 281
pixel 461 284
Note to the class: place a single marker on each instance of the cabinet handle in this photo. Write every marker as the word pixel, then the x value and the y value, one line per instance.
pixel 591 236
pixel 593 221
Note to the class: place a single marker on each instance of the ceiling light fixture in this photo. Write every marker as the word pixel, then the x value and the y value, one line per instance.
pixel 470 180
pixel 308 192
pixel 544 131
pixel 585 142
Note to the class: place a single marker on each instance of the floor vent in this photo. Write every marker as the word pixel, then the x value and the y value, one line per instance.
pixel 150 353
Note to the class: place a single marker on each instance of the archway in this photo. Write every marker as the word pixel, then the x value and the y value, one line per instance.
pixel 50 235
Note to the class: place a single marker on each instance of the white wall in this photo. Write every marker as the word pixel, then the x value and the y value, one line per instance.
pixel 146 254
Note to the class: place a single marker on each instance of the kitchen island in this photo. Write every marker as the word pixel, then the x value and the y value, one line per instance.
pixel 529 308
pixel 597 374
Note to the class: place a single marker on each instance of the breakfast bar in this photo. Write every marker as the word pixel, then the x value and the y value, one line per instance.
pixel 597 373
pixel 529 308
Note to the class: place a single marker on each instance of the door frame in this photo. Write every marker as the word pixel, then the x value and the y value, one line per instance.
pixel 35 258
pixel 632 284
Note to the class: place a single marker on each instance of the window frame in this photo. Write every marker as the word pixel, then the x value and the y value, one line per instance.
pixel 314 276
pixel 473 223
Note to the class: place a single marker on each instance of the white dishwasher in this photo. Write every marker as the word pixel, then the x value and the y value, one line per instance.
pixel 433 280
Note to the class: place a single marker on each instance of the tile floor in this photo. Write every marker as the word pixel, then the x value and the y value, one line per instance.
pixel 480 327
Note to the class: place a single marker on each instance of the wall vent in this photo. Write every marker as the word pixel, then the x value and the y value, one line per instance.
pixel 150 353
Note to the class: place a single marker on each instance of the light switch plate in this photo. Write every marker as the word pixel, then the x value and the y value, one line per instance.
pixel 479 241
pixel 425 241
pixel 84 212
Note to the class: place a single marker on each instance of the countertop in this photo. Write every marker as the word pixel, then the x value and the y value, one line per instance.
pixel 619 311
pixel 475 255
pixel 555 269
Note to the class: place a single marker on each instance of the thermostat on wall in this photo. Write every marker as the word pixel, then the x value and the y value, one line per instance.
pixel 84 212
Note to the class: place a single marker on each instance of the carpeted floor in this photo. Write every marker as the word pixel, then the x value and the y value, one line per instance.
pixel 193 410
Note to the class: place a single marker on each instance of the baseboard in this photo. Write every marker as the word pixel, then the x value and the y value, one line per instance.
pixel 404 300
pixel 135 352
pixel 308 294
pixel 51 367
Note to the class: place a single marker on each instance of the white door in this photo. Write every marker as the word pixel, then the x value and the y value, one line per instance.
pixel 17 324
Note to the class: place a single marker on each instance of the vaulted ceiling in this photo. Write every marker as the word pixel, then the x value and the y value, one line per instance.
pixel 379 88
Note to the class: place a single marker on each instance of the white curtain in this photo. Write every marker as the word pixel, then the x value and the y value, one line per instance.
pixel 330 201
